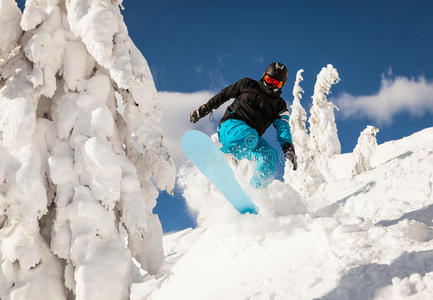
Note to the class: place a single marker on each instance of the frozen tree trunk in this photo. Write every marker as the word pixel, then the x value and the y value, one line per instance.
pixel 323 130
pixel 76 173
pixel 363 151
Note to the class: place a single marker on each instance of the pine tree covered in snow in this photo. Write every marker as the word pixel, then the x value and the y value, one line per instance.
pixel 305 179
pixel 322 142
pixel 323 130
pixel 80 142
pixel 364 150
pixel 298 117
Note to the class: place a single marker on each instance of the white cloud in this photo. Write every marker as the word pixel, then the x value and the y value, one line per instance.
pixel 176 108
pixel 399 94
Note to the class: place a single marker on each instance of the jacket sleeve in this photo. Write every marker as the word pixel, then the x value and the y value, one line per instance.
pixel 226 94
pixel 281 123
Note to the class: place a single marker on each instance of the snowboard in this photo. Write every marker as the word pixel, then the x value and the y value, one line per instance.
pixel 205 155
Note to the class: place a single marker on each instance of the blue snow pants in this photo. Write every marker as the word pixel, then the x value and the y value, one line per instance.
pixel 243 141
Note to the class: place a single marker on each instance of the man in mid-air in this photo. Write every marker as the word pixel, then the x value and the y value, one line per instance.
pixel 256 105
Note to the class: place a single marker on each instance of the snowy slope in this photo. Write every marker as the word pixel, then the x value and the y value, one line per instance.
pixel 364 237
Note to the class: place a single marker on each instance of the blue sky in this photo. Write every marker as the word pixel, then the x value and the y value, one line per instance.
pixel 205 45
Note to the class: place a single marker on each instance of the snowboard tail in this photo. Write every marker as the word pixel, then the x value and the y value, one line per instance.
pixel 205 155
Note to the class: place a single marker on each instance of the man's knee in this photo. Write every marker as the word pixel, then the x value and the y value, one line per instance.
pixel 250 139
pixel 241 135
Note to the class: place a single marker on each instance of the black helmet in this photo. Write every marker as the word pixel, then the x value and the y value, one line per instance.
pixel 277 71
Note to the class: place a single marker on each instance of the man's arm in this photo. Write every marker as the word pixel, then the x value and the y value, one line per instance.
pixel 282 125
pixel 226 94
pixel 284 135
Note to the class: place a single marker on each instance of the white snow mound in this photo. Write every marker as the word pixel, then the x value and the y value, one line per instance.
pixel 359 237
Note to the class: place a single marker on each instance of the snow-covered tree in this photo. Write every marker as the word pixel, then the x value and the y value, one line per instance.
pixel 324 140
pixel 363 151
pixel 81 152
pixel 307 177
pixel 298 117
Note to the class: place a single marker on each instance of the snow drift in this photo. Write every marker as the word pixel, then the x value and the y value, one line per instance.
pixel 366 236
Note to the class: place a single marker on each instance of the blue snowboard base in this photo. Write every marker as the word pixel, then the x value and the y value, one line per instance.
pixel 205 155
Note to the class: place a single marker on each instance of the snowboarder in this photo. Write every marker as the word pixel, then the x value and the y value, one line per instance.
pixel 256 105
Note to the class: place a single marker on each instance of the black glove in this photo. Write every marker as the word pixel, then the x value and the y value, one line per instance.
pixel 199 113
pixel 289 153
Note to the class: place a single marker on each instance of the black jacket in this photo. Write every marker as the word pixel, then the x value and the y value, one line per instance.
pixel 253 103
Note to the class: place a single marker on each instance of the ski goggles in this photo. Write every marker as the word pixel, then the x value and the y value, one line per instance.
pixel 275 83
